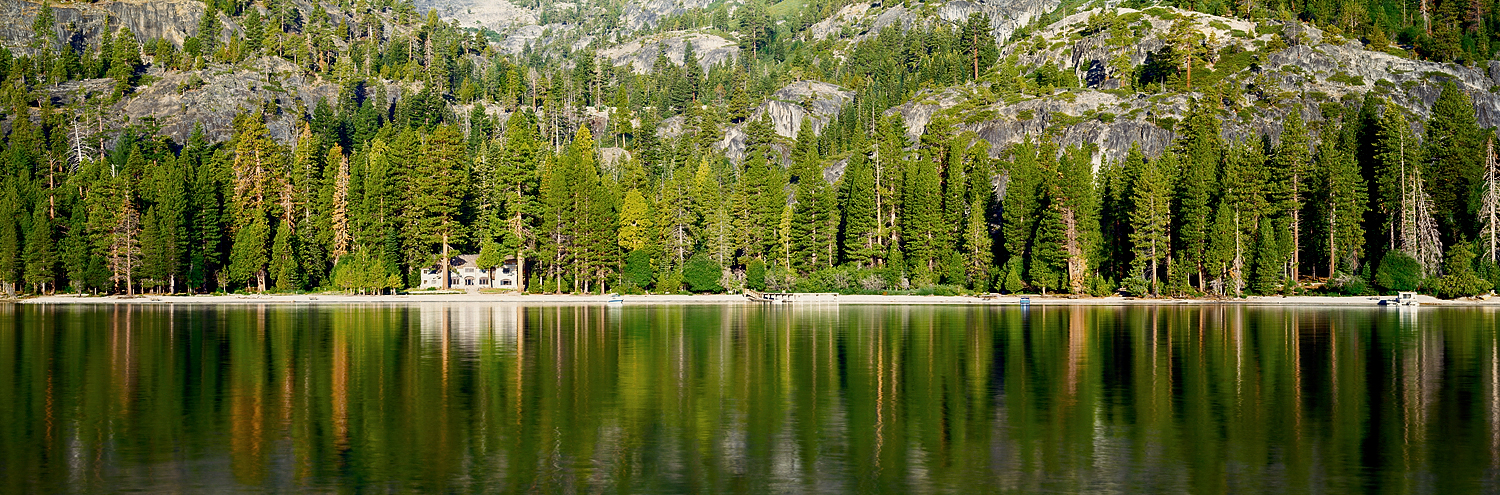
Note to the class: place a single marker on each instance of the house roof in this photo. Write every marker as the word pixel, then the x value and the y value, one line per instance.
pixel 461 261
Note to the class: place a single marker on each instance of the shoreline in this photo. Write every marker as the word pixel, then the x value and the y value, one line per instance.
pixel 319 299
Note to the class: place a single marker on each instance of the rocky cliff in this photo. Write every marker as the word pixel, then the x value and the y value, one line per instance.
pixel 640 54
pixel 814 102
pixel 1302 70
pixel 82 23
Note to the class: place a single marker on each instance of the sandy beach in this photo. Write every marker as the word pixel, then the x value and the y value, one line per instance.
pixel 567 299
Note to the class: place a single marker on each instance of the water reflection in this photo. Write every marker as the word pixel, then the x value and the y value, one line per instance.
pixel 748 399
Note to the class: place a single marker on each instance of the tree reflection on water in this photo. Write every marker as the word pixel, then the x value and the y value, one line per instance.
pixel 684 398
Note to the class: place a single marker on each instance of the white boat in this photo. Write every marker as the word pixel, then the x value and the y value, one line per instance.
pixel 616 299
pixel 1402 299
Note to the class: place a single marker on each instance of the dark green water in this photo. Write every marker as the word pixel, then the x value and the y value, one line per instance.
pixel 663 399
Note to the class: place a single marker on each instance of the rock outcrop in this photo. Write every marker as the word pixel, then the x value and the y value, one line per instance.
pixel 497 15
pixel 862 20
pixel 173 20
pixel 641 54
pixel 645 14
pixel 178 100
pixel 1317 69
pixel 817 101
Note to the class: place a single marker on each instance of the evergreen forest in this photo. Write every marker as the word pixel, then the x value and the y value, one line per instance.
pixel 604 177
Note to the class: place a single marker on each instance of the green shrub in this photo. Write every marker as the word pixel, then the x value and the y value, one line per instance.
pixel 1101 287
pixel 1344 77
pixel 1456 286
pixel 755 274
pixel 669 282
pixel 1013 283
pixel 1349 285
pixel 1490 271
pixel 702 274
pixel 1398 272
pixel 638 270
pixel 1136 286
pixel 1460 281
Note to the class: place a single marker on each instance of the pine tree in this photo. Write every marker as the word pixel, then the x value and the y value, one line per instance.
pixel 888 164
pixel 1489 206
pixel 1199 148
pixel 858 230
pixel 434 201
pixel 1341 197
pixel 921 220
pixel 1292 158
pixel 515 174
pixel 153 254
pixel 41 258
pixel 1453 152
pixel 1403 196
pixel 125 244
pixel 978 44
pixel 1022 207
pixel 339 216
pixel 1116 194
pixel 166 250
pixel 1151 220
pixel 978 244
pixel 205 206
pixel 256 158
pixel 709 205
pixel 11 242
pixel 677 216
pixel 814 226
pixel 125 61
pixel 285 267
pixel 636 223
pixel 595 213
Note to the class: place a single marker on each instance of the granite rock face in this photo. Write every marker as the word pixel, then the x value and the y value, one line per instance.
pixel 641 54
pixel 173 20
pixel 497 14
pixel 814 101
pixel 1313 71
pixel 817 101
pixel 178 100
pixel 645 14
pixel 862 20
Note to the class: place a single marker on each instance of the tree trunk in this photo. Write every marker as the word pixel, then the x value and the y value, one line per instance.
pixel 1333 252
pixel 1296 228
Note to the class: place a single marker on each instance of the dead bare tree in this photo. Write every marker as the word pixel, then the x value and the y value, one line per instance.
pixel 1489 203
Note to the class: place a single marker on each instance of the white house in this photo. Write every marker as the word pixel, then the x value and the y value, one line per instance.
pixel 464 273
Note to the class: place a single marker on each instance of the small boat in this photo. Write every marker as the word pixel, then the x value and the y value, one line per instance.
pixel 1025 301
pixel 616 299
pixel 1402 299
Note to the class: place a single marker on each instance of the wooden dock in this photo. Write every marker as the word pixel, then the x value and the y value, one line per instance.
pixel 792 297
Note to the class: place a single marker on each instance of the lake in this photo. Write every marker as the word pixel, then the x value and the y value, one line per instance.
pixel 747 398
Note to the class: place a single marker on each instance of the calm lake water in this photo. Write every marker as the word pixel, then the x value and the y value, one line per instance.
pixel 683 399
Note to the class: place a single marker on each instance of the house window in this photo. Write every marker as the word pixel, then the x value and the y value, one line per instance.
pixel 484 281
pixel 469 281
pixel 504 282
pixel 468 270
pixel 505 270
